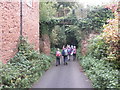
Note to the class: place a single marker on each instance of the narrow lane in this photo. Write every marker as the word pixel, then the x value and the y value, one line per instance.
pixel 64 76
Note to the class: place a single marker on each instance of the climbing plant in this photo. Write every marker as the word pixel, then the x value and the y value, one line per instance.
pixel 102 61
pixel 58 37
pixel 47 11
pixel 96 18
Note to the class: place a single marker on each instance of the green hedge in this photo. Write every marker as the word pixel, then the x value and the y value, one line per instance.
pixel 25 68
pixel 95 19
pixel 101 72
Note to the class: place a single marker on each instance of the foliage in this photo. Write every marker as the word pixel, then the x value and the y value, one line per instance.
pixel 112 38
pixel 65 4
pixel 107 43
pixel 25 68
pixel 79 54
pixel 72 35
pixel 95 19
pixel 58 37
pixel 102 61
pixel 67 34
pixel 53 50
pixel 97 47
pixel 47 11
pixel 101 72
pixel 49 21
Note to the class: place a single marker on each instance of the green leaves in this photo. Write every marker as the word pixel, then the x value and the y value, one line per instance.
pixel 101 72
pixel 58 37
pixel 95 19
pixel 25 68
pixel 46 11
pixel 97 47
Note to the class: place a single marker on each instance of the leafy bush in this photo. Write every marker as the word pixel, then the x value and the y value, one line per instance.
pixel 102 62
pixel 107 44
pixel 25 68
pixel 112 38
pixel 79 54
pixel 97 47
pixel 58 37
pixel 96 18
pixel 101 72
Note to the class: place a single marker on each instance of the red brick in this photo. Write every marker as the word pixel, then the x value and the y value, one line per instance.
pixel 10 27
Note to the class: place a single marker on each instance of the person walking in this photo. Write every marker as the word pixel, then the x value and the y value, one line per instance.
pixel 74 53
pixel 58 55
pixel 65 55
pixel 69 51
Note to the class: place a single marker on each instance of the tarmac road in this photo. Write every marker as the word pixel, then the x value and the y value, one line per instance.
pixel 64 76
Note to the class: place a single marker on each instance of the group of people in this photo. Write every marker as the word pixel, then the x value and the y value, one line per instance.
pixel 68 53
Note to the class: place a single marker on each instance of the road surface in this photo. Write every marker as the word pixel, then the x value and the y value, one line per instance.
pixel 64 76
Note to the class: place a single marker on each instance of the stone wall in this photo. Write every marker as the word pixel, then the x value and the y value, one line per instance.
pixel 10 27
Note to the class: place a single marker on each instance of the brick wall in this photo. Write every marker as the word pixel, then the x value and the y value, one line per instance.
pixel 10 27
pixel 31 23
pixel 0 39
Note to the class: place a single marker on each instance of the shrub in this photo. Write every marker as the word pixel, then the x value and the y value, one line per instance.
pixel 97 47
pixel 102 73
pixel 96 18
pixel 25 68
pixel 79 55
pixel 112 38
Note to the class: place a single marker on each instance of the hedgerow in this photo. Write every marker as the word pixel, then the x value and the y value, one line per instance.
pixel 101 72
pixel 102 61
pixel 25 68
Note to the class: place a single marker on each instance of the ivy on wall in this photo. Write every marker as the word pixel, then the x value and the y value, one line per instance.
pixel 96 18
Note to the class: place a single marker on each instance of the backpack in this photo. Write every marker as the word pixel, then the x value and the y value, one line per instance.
pixel 58 54
pixel 69 50
pixel 74 51
pixel 65 52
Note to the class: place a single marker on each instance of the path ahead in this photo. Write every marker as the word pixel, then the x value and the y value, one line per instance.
pixel 64 76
